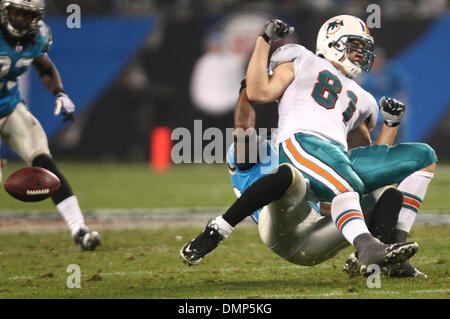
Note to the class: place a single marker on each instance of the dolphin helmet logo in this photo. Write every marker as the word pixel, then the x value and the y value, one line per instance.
pixel 334 26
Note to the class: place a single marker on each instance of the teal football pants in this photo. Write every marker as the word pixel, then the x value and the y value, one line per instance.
pixel 332 171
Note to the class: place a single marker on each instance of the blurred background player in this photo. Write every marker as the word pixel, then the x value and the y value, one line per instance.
pixel 25 40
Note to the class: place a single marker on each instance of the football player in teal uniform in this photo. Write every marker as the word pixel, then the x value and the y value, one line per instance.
pixel 25 40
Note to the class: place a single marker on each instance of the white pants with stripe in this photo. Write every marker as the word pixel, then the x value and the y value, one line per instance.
pixel 297 233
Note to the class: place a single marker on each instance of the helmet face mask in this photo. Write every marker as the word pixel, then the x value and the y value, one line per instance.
pixel 20 18
pixel 366 52
pixel 346 41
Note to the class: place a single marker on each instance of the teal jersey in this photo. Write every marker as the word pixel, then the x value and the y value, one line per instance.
pixel 241 180
pixel 14 61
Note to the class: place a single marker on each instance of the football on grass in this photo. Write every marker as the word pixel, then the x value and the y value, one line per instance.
pixel 32 184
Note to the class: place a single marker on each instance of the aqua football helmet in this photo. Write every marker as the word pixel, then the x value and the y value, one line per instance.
pixel 336 38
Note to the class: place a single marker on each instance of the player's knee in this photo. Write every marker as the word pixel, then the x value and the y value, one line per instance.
pixel 426 155
pixel 358 187
pixel 281 179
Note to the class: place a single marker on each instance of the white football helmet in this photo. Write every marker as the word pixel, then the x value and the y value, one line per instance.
pixel 333 43
pixel 34 12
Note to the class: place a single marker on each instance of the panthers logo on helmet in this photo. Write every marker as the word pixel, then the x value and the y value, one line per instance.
pixel 334 26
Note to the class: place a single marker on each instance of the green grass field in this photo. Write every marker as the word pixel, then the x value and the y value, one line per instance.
pixel 142 261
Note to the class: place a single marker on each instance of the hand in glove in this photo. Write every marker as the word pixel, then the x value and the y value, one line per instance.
pixel 64 103
pixel 275 30
pixel 392 111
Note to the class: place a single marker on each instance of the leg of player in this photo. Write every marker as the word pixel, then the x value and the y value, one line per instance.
pixel 381 225
pixel 385 215
pixel 23 133
pixel 351 223
pixel 415 164
pixel 67 204
pixel 333 178
pixel 414 188
pixel 264 191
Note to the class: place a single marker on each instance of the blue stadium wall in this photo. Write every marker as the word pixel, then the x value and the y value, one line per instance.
pixel 92 60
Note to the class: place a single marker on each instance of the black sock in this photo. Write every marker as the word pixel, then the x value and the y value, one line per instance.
pixel 264 191
pixel 64 191
pixel 398 236
pixel 385 215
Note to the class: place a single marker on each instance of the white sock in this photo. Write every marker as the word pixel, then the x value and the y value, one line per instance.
pixel 225 228
pixel 414 188
pixel 347 215
pixel 70 209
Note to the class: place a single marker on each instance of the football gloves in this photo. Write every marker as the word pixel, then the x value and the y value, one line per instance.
pixel 64 103
pixel 392 111
pixel 275 30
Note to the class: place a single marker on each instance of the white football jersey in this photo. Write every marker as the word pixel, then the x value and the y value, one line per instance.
pixel 321 100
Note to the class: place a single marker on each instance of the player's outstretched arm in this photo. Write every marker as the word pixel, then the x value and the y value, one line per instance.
pixel 244 113
pixel 261 87
pixel 48 73
pixel 50 78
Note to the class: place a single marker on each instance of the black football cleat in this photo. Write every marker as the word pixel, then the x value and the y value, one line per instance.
pixel 371 251
pixel 404 269
pixel 194 251
pixel 352 265
pixel 392 254
pixel 86 239
pixel 394 263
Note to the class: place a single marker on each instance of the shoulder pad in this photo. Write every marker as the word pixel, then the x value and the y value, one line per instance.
pixel 286 53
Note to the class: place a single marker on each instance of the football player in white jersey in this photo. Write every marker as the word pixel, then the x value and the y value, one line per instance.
pixel 292 237
pixel 319 104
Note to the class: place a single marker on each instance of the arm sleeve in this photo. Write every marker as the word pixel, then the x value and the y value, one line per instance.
pixel 286 53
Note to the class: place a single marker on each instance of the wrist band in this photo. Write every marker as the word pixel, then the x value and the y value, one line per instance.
pixel 266 38
pixel 243 85
pixel 391 124
pixel 58 90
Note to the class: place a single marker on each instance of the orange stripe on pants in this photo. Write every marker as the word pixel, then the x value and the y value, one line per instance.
pixel 314 167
